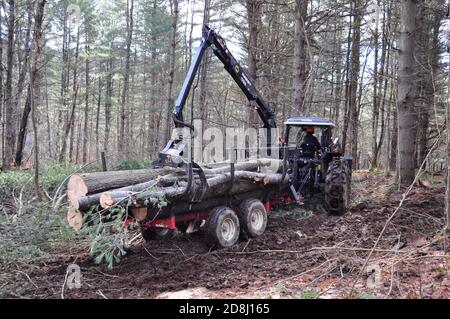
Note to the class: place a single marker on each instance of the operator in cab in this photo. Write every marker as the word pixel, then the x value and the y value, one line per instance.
pixel 310 143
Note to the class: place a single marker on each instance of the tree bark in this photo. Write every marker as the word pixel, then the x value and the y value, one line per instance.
pixel 69 123
pixel 86 102
pixel 254 21
pixel 354 76
pixel 39 17
pixel 204 71
pixel 10 111
pixel 76 82
pixel 171 75
pixel 122 145
pixel 217 186
pixel 299 60
pixel 406 92
pixel 20 84
pixel 108 100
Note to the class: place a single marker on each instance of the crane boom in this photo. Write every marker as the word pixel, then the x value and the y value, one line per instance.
pixel 212 39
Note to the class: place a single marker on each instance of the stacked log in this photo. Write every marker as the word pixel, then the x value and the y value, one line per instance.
pixel 143 188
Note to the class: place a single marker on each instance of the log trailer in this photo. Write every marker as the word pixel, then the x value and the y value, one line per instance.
pixel 229 199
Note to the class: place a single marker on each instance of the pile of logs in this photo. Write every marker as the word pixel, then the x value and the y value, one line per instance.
pixel 141 189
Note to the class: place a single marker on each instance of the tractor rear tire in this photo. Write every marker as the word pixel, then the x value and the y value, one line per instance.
pixel 337 187
pixel 253 217
pixel 222 227
pixel 156 233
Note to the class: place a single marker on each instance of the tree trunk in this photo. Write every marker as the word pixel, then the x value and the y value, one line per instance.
pixel 86 103
pixel 10 112
pixel 154 132
pixel 1 90
pixel 171 75
pixel 406 94
pixel 376 99
pixel 217 186
pixel 254 21
pixel 347 84
pixel 69 123
pixel 86 184
pixel 76 88
pixel 204 71
pixel 124 117
pixel 354 75
pixel 39 17
pixel 299 60
pixel 20 86
pixel 108 100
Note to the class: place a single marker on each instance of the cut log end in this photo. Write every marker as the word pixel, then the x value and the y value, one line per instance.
pixel 139 213
pixel 76 188
pixel 74 218
pixel 106 200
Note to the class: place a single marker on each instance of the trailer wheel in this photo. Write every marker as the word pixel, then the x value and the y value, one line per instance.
pixel 222 227
pixel 253 217
pixel 156 233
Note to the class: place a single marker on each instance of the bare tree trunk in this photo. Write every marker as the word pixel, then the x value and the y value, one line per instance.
pixel 254 21
pixel 97 118
pixel 299 61
pixel 76 83
pixel 10 112
pixel 108 100
pixel 337 96
pixel 204 70
pixel 154 116
pixel 1 89
pixel 376 99
pixel 64 90
pixel 354 75
pixel 86 105
pixel 47 117
pixel 172 47
pixel 20 86
pixel 33 87
pixel 347 84
pixel 447 189
pixel 124 116
pixel 406 96
pixel 70 123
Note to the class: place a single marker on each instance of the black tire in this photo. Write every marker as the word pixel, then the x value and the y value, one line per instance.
pixel 156 233
pixel 222 227
pixel 253 217
pixel 337 187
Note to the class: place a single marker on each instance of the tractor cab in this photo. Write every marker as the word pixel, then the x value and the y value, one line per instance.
pixel 309 137
pixel 310 148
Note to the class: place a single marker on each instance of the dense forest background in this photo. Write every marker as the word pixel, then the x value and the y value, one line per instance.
pixel 81 77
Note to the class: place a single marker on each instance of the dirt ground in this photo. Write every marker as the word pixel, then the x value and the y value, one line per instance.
pixel 304 253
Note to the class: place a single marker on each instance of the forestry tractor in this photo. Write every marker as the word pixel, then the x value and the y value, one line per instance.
pixel 308 167
pixel 229 198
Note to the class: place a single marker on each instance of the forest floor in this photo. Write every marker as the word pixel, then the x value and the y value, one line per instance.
pixel 303 254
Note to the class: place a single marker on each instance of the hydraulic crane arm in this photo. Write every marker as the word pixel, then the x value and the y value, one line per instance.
pixel 211 38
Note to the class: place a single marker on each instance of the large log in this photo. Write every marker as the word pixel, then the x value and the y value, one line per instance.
pixel 82 185
pixel 217 186
pixel 84 191
pixel 90 183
